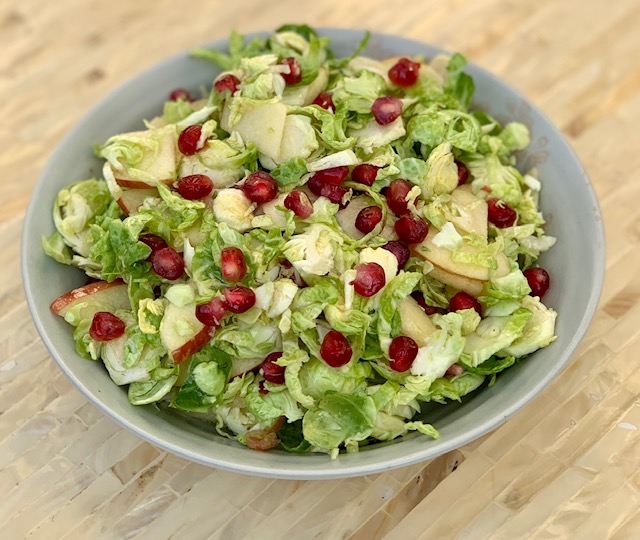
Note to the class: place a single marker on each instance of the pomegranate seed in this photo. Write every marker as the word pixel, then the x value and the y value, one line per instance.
pixel 500 213
pixel 260 187
pixel 194 187
pixel 454 370
pixel 154 242
pixel 239 299
pixel 315 185
pixel 324 100
pixel 180 93
pixel 262 389
pixel 462 300
pixel 228 82
pixel 364 174
pixel 404 72
pixel 233 264
pixel 299 203
pixel 334 175
pixel 368 218
pixel 106 326
pixel 271 371
pixel 386 109
pixel 211 313
pixel 167 263
pixel 411 229
pixel 538 279
pixel 334 193
pixel 402 351
pixel 419 297
pixel 369 279
pixel 188 140
pixel 287 270
pixel 397 196
pixel 295 71
pixel 400 250
pixel 335 349
pixel 463 172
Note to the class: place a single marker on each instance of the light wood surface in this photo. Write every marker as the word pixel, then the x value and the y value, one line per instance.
pixel 567 466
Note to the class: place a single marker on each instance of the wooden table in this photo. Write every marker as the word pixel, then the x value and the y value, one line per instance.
pixel 564 467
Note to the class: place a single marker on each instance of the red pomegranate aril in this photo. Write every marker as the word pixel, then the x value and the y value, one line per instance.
pixel 233 264
pixel 271 371
pixel 368 218
pixel 325 100
pixel 194 186
pixel 106 326
pixel 239 299
pixel 404 73
pixel 335 349
pixel 397 196
pixel 262 389
pixel 180 93
pixel 364 173
pixel 538 279
pixel 369 279
pixel 288 271
pixel 419 297
pixel 334 193
pixel 334 175
pixel 260 187
pixel 500 213
pixel 167 263
pixel 400 250
pixel 315 185
pixel 299 203
pixel 295 71
pixel 228 82
pixel 463 300
pixel 454 370
pixel 463 172
pixel 411 229
pixel 188 140
pixel 211 313
pixel 402 351
pixel 386 109
pixel 154 242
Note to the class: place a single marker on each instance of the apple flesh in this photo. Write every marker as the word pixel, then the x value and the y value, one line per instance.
pixel 240 366
pixel 181 333
pixel 414 322
pixel 346 218
pixel 472 286
pixel 131 199
pixel 473 216
pixel 305 95
pixel 101 293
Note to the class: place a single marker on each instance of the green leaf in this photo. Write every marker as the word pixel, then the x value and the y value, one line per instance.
pixel 304 30
pixel 290 172
pixel 292 439
pixel 459 84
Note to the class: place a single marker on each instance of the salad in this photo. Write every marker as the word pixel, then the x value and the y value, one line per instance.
pixel 312 250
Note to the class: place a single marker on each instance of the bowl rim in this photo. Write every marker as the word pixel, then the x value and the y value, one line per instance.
pixel 333 468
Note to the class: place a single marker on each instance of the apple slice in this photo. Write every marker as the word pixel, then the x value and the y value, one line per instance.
pixel 441 257
pixel 112 293
pixel 139 184
pixel 473 209
pixel 263 125
pixel 181 333
pixel 472 286
pixel 346 218
pixel 414 322
pixel 132 199
pixel 240 366
pixel 304 95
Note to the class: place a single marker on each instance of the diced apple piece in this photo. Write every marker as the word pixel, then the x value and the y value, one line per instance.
pixel 181 333
pixel 240 366
pixel 472 286
pixel 441 257
pixel 414 322
pixel 263 125
pixel 132 199
pixel 473 209
pixel 101 293
pixel 304 95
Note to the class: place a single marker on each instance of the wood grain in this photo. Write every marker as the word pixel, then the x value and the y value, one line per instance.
pixel 564 467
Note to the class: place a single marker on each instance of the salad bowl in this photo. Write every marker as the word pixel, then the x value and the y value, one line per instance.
pixel 576 264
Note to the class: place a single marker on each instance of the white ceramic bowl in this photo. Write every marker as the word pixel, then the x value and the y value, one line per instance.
pixel 576 265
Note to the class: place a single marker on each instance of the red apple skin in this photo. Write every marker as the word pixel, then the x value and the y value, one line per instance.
pixel 192 346
pixel 137 184
pixel 62 304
